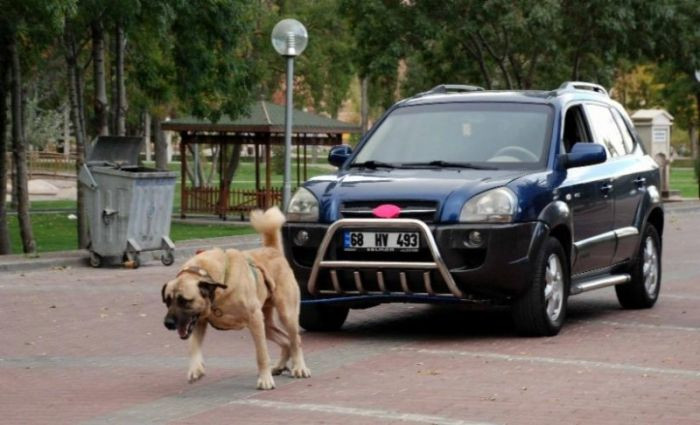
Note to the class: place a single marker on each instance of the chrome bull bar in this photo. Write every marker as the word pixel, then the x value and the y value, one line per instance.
pixel 396 223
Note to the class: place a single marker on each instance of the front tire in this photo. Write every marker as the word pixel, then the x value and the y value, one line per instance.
pixel 542 309
pixel 643 289
pixel 167 258
pixel 322 317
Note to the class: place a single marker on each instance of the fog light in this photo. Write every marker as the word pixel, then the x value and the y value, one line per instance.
pixel 475 238
pixel 301 237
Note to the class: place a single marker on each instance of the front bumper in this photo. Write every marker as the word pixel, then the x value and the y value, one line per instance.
pixel 446 267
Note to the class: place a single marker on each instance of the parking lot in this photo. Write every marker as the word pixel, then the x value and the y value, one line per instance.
pixel 82 345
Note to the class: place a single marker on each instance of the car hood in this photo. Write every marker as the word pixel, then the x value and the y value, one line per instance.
pixel 449 188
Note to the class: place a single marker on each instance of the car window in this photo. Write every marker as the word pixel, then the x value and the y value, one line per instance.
pixel 605 129
pixel 574 128
pixel 626 135
pixel 500 134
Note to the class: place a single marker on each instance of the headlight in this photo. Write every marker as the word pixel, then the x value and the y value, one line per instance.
pixel 495 206
pixel 303 206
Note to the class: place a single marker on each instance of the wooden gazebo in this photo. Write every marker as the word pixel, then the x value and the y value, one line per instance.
pixel 262 128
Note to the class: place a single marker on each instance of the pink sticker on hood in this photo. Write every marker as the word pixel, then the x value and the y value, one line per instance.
pixel 387 211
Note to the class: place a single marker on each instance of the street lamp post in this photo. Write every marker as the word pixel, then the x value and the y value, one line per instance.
pixel 289 38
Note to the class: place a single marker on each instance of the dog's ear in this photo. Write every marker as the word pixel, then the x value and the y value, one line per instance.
pixel 162 292
pixel 207 289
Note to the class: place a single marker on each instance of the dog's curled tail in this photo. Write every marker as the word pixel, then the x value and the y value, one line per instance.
pixel 269 225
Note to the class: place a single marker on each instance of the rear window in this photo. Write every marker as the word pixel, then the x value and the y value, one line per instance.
pixel 499 135
pixel 606 131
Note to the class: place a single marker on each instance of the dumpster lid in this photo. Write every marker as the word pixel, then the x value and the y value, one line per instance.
pixel 115 150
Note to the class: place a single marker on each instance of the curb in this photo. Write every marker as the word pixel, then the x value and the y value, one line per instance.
pixel 79 258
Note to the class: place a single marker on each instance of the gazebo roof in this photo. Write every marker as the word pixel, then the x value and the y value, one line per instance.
pixel 263 117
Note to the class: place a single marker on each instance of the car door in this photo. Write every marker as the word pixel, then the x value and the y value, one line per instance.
pixel 624 168
pixel 588 191
pixel 633 176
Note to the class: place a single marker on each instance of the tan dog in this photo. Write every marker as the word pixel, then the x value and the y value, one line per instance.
pixel 236 289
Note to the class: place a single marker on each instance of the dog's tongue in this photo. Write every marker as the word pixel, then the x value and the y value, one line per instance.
pixel 182 330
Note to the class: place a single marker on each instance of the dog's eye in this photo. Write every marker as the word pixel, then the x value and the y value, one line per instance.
pixel 183 302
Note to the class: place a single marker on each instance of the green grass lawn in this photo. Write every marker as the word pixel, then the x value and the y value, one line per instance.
pixel 55 232
pixel 683 179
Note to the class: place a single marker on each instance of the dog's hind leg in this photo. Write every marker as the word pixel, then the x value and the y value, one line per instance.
pixel 196 370
pixel 257 330
pixel 289 315
pixel 279 337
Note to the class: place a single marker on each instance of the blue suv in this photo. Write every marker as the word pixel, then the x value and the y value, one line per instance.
pixel 464 195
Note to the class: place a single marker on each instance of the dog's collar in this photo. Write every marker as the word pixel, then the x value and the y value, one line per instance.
pixel 201 272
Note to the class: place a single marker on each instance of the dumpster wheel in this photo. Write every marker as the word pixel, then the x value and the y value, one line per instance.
pixel 167 258
pixel 95 259
pixel 132 260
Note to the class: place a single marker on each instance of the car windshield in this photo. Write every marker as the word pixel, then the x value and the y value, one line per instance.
pixel 469 135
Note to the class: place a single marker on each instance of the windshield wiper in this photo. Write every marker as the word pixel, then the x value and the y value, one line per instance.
pixel 372 164
pixel 447 164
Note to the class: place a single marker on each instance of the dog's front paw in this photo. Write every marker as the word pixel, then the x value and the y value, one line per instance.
pixel 301 372
pixel 265 382
pixel 195 373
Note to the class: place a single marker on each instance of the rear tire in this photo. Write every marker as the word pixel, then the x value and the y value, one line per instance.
pixel 95 259
pixel 132 260
pixel 542 309
pixel 643 290
pixel 322 317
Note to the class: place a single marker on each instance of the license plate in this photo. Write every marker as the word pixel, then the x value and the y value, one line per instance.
pixel 381 241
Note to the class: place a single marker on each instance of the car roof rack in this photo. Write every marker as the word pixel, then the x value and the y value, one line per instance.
pixel 454 88
pixel 449 88
pixel 582 85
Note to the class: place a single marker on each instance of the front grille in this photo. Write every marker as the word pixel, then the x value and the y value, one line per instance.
pixel 419 210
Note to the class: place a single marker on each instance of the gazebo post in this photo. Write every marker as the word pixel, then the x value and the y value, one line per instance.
pixel 183 174
pixel 258 198
pixel 223 204
pixel 305 158
pixel 268 179
pixel 298 163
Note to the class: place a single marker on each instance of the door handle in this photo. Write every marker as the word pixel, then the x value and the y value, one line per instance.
pixel 640 181
pixel 606 188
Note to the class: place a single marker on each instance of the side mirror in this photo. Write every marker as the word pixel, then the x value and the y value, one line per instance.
pixel 583 154
pixel 339 154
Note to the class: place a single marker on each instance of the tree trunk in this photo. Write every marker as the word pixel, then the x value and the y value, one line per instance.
pixel 364 105
pixel 66 132
pixel 232 165
pixel 697 144
pixel 693 137
pixel 4 233
pixel 147 135
pixel 160 146
pixel 216 150
pixel 697 138
pixel 575 67
pixel 121 86
pixel 101 104
pixel 20 155
pixel 74 91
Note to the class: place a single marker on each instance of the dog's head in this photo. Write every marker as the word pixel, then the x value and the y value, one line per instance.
pixel 190 295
